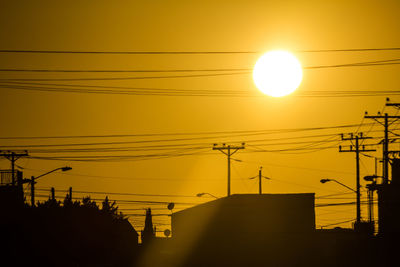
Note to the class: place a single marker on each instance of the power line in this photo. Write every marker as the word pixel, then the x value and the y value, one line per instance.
pixel 133 91
pixel 128 78
pixel 333 195
pixel 340 204
pixel 190 92
pixel 148 202
pixel 150 89
pixel 189 52
pixel 238 133
pixel 366 63
pixel 145 135
pixel 172 150
pixel 165 148
pixel 173 153
pixel 126 52
pixel 158 148
pixel 120 194
pixel 180 179
pixel 125 70
pixel 107 158
pixel 356 64
pixel 161 134
pixel 337 223
pixel 171 146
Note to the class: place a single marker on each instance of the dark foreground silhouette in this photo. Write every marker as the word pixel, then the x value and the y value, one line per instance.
pixel 66 234
pixel 239 230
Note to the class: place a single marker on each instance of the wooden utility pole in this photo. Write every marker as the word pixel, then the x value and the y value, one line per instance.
pixel 32 182
pixel 385 150
pixel 53 193
pixel 229 151
pixel 259 181
pixel 357 150
pixel 260 176
pixel 13 156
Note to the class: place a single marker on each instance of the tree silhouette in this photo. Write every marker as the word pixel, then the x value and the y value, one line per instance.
pixel 71 233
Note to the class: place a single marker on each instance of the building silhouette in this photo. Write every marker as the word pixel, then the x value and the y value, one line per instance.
pixel 389 203
pixel 245 230
pixel 11 191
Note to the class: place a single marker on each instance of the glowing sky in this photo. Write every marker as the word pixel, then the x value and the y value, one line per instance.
pixel 196 26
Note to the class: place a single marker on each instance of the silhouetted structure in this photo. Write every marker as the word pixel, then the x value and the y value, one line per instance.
pixel 267 230
pixel 246 230
pixel 247 215
pixel 389 203
pixel 11 193
pixel 239 230
pixel 149 232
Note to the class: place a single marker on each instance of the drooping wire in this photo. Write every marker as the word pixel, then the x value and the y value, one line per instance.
pixel 189 52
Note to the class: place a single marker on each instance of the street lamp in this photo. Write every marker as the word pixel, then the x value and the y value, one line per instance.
pixel 205 193
pixel 333 180
pixel 33 179
pixel 358 219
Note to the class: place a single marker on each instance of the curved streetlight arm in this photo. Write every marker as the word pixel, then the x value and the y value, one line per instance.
pixel 345 186
pixel 333 180
pixel 205 193
pixel 32 181
pixel 61 168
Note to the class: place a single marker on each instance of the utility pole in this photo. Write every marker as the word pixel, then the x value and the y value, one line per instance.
pixel 229 151
pixel 53 197
pixel 32 182
pixel 385 150
pixel 260 176
pixel 259 181
pixel 357 150
pixel 13 156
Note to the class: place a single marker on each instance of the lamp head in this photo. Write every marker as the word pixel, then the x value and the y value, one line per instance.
pixel 370 178
pixel 324 180
pixel 171 206
pixel 64 169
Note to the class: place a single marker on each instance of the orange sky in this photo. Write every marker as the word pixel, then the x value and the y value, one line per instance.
pixel 196 26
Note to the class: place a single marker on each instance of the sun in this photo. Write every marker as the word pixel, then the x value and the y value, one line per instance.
pixel 277 73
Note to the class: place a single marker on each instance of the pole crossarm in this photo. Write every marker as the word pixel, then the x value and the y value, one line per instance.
pixel 396 105
pixel 13 155
pixel 386 117
pixel 353 150
pixel 228 147
pixel 228 150
pixel 381 117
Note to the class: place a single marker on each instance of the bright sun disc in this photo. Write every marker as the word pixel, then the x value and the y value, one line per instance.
pixel 277 73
